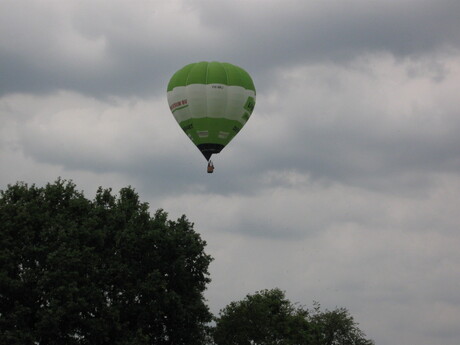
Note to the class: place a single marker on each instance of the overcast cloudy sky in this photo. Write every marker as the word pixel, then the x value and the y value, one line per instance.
pixel 342 188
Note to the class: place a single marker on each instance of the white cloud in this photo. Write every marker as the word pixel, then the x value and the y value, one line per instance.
pixel 359 122
pixel 84 133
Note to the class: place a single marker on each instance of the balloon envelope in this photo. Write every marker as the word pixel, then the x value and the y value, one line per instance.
pixel 211 101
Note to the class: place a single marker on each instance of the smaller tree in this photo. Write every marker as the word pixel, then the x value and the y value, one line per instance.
pixel 268 318
pixel 335 327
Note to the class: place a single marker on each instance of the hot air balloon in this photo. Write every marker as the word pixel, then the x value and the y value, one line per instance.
pixel 211 101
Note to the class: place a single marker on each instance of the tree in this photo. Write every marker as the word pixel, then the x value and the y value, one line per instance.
pixel 102 271
pixel 268 318
pixel 265 318
pixel 336 327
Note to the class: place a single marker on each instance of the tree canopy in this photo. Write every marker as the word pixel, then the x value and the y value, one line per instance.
pixel 105 271
pixel 268 318
pixel 102 271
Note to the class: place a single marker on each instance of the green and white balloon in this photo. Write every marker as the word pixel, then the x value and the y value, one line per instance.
pixel 211 101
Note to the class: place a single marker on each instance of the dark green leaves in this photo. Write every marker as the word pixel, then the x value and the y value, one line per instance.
pixel 102 271
pixel 268 318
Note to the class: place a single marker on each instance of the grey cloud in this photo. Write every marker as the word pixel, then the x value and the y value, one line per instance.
pixel 140 45
pixel 300 31
pixel 357 129
pixel 135 55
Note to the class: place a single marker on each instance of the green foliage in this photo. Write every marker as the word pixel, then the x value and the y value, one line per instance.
pixel 336 327
pixel 268 318
pixel 102 271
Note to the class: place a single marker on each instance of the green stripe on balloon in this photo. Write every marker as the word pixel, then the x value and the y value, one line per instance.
pixel 211 73
pixel 215 128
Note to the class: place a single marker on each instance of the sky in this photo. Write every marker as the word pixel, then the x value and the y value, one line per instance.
pixel 342 188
